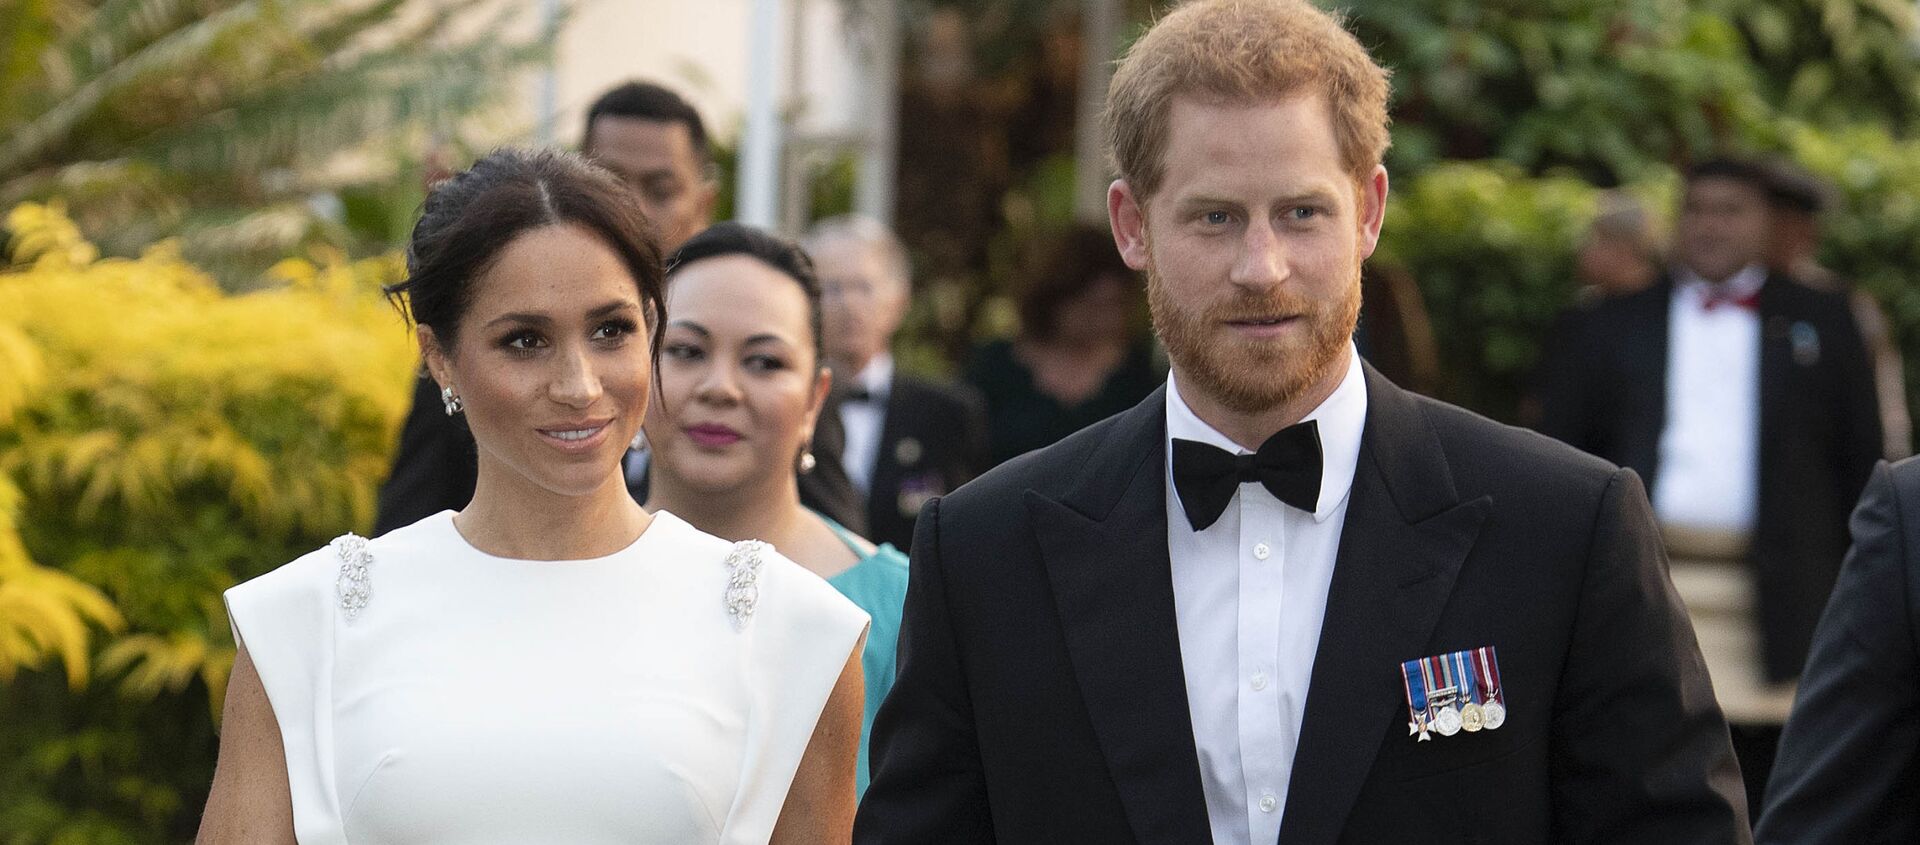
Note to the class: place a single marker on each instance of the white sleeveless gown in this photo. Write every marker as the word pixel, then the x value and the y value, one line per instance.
pixel 478 699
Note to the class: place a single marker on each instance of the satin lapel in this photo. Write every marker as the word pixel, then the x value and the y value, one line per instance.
pixel 1401 547
pixel 1104 544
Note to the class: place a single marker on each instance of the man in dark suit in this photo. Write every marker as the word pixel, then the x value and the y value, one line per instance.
pixel 1283 600
pixel 907 439
pixel 1746 401
pixel 1849 763
pixel 656 142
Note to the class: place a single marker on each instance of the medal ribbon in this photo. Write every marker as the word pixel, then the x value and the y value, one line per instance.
pixel 1488 668
pixel 1447 680
pixel 1416 689
pixel 1469 695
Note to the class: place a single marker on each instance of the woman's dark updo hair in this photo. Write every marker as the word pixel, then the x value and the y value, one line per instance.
pixel 468 219
pixel 723 239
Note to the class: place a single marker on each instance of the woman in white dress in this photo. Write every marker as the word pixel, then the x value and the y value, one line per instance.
pixel 552 663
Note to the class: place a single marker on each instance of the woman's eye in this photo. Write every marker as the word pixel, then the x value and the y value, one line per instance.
pixel 765 363
pixel 681 351
pixel 613 330
pixel 522 341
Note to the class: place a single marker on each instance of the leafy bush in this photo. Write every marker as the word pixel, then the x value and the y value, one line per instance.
pixel 177 440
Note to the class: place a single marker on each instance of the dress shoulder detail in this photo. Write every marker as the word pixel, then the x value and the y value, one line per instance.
pixel 354 584
pixel 743 580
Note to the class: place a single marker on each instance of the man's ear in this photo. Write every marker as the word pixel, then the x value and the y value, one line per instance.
pixel 1373 213
pixel 1127 214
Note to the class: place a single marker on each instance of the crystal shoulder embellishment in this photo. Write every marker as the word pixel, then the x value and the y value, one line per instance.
pixel 743 580
pixel 354 585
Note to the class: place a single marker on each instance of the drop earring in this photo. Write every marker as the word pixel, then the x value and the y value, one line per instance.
pixel 807 463
pixel 453 403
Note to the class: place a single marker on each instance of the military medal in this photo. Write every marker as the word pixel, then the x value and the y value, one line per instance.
pixel 1412 681
pixel 1486 670
pixel 1447 719
pixel 1472 717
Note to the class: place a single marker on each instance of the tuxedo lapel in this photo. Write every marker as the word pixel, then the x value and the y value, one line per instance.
pixel 883 487
pixel 1405 536
pixel 1104 545
pixel 1777 341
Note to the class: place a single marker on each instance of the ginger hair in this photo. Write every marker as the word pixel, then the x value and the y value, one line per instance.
pixel 1243 51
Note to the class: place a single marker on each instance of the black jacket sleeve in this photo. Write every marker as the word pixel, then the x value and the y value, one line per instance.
pixel 1641 752
pixel 927 786
pixel 1847 767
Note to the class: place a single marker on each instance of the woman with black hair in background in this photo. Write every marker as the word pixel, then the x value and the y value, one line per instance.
pixel 553 663
pixel 740 389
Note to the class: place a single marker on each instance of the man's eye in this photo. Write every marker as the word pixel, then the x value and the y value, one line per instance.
pixel 1303 213
pixel 1217 218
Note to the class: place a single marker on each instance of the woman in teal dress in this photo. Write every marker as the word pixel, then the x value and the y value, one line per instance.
pixel 739 386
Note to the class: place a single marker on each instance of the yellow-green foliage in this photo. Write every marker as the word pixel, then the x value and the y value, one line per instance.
pixel 160 441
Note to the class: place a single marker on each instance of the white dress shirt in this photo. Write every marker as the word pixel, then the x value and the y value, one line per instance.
pixel 863 421
pixel 1249 595
pixel 1710 446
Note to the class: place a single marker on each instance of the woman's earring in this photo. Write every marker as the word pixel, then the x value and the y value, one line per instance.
pixel 807 463
pixel 453 403
pixel 638 442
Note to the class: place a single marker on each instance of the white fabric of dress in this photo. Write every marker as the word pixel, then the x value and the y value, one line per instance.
pixel 478 699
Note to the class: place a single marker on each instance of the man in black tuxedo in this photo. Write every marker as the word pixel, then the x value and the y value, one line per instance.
pixel 656 142
pixel 1283 600
pixel 1746 401
pixel 1850 759
pixel 907 439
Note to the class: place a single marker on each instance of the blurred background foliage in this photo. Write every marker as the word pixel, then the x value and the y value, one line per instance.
pixel 175 440
pixel 183 406
pixel 245 129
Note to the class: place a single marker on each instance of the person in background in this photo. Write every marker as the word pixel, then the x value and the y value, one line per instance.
pixel 1078 358
pixel 656 143
pixel 907 439
pixel 741 384
pixel 553 662
pixel 1850 755
pixel 1620 254
pixel 1746 401
pixel 1798 200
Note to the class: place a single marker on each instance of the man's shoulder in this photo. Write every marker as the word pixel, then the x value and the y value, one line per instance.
pixel 1049 471
pixel 1488 457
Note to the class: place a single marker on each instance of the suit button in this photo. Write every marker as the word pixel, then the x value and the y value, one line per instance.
pixel 1268 803
pixel 1261 551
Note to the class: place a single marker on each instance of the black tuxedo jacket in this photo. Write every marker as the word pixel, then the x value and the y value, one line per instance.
pixel 1849 765
pixel 1040 695
pixel 435 469
pixel 1603 389
pixel 933 438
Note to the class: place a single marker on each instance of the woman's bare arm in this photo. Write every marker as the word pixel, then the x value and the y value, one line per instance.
pixel 820 805
pixel 251 801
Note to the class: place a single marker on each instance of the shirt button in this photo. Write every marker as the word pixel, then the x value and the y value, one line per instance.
pixel 1268 803
pixel 1259 681
pixel 1260 551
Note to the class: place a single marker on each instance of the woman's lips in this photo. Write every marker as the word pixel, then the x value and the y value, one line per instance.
pixel 713 436
pixel 576 439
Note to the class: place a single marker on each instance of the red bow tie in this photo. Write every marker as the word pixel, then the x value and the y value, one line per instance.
pixel 1718 296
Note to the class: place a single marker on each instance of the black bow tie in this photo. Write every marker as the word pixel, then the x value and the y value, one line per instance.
pixel 1288 465
pixel 859 394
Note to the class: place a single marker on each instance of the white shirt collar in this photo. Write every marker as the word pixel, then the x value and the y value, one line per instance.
pixel 1342 418
pixel 1744 283
pixel 876 378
